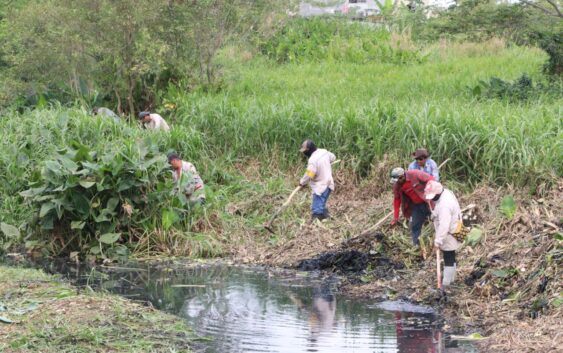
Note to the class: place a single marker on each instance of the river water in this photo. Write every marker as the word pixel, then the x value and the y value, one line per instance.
pixel 244 309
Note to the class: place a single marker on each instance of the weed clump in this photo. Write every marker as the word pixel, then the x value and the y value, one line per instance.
pixel 521 89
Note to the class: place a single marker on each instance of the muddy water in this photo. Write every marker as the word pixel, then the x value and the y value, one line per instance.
pixel 253 310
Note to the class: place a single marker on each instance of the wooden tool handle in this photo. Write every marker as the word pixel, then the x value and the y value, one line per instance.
pixel 438 271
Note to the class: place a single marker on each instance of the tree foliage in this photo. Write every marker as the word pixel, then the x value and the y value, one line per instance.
pixel 537 23
pixel 118 51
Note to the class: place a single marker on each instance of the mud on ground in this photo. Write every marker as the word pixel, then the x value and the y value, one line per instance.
pixel 508 286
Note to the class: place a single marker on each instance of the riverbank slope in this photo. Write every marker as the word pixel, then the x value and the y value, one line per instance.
pixel 508 286
pixel 42 313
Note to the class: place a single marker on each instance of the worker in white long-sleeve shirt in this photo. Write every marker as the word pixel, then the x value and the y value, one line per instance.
pixel 446 215
pixel 153 121
pixel 319 176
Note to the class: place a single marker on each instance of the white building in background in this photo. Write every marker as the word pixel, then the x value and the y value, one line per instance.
pixel 355 8
pixel 360 8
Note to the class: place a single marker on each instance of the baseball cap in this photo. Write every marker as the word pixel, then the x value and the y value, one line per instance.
pixel 396 173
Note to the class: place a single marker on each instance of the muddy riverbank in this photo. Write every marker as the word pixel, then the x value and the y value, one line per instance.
pixel 508 286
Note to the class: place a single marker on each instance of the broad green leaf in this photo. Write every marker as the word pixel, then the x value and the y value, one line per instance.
pixel 109 238
pixel 46 208
pixel 86 184
pixel 169 217
pixel 474 236
pixel 44 198
pixel 9 230
pixel 81 204
pixel 53 166
pixel 121 250
pixel 32 192
pixel 112 204
pixel 91 166
pixel 68 164
pixel 102 217
pixel 77 225
pixel 508 206
pixel 146 164
pixel 82 152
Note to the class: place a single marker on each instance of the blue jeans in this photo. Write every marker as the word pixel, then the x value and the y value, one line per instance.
pixel 420 212
pixel 318 207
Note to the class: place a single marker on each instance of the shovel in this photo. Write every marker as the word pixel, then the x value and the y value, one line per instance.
pixel 268 224
pixel 441 296
pixel 438 271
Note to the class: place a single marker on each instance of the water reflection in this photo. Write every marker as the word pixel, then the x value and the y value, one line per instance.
pixel 251 310
pixel 321 314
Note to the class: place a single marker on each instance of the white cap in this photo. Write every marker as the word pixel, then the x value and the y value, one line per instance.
pixel 432 189
pixel 396 173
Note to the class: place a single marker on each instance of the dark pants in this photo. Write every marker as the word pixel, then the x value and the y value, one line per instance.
pixel 318 207
pixel 420 213
pixel 449 258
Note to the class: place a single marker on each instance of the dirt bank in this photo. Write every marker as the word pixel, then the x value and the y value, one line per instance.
pixel 508 286
pixel 40 313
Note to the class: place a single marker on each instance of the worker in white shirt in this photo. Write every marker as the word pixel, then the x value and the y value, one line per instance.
pixel 446 215
pixel 153 121
pixel 319 176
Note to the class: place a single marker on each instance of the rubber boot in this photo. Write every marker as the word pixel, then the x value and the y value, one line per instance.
pixel 449 275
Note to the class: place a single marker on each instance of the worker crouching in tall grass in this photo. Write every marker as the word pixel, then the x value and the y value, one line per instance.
pixel 446 215
pixel 319 176
pixel 187 179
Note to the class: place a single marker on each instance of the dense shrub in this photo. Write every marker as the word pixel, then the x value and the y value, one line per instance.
pixel 96 202
pixel 521 89
pixel 320 39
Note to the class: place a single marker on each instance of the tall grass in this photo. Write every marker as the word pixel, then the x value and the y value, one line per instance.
pixel 363 112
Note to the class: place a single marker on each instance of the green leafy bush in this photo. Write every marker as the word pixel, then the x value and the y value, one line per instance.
pixel 521 89
pixel 326 39
pixel 96 203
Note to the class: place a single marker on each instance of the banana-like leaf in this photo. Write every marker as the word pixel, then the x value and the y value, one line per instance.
pixel 9 230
